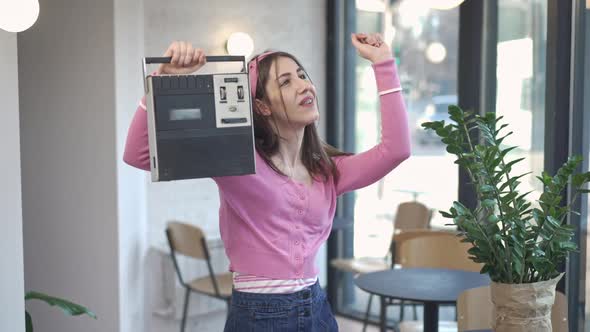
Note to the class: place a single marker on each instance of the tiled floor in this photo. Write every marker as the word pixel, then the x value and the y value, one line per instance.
pixel 347 325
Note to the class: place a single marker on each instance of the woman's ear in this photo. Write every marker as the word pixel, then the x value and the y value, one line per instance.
pixel 262 108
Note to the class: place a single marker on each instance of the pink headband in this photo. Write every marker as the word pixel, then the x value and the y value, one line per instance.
pixel 253 72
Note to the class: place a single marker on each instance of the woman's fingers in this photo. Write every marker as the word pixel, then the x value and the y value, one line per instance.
pixel 355 40
pixel 373 39
pixel 168 52
pixel 175 49
pixel 202 58
pixel 182 54
pixel 379 39
pixel 196 56
pixel 185 58
pixel 371 46
pixel 190 52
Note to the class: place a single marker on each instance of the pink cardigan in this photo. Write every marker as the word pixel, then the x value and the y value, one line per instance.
pixel 273 226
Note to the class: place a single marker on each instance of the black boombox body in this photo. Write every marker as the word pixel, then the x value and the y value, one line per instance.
pixel 199 125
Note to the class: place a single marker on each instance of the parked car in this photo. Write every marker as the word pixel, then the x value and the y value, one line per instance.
pixel 436 110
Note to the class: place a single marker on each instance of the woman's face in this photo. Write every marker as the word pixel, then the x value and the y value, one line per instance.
pixel 290 81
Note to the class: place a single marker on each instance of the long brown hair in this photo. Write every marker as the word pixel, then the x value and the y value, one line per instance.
pixel 315 153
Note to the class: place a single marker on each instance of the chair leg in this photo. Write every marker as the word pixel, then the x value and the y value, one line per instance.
pixel 366 321
pixel 402 306
pixel 415 311
pixel 185 310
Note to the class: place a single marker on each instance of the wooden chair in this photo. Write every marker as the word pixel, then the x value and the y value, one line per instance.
pixel 410 215
pixel 189 240
pixel 445 251
pixel 474 307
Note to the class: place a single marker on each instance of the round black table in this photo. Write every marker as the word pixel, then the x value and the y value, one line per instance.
pixel 428 286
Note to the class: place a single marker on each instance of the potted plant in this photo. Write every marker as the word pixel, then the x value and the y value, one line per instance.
pixel 68 307
pixel 519 244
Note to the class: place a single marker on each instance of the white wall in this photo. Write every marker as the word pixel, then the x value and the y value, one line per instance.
pixel 131 186
pixel 11 236
pixel 68 137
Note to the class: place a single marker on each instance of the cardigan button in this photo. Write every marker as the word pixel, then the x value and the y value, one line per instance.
pixel 300 211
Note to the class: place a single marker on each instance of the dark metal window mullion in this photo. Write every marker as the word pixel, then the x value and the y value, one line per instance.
pixel 557 95
pixel 341 21
pixel 576 266
pixel 478 38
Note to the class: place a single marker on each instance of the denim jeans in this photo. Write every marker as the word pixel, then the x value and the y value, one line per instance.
pixel 305 311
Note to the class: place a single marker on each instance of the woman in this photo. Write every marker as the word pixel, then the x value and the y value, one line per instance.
pixel 273 222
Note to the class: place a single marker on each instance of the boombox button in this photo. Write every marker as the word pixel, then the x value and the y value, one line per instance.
pixel 234 120
pixel 233 108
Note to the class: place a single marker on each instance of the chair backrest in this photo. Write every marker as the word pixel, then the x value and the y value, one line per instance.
pixel 400 236
pixel 186 239
pixel 189 240
pixel 475 310
pixel 445 251
pixel 412 215
pixel 559 313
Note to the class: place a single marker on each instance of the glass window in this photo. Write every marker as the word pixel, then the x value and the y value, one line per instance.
pixel 425 44
pixel 520 98
pixel 426 53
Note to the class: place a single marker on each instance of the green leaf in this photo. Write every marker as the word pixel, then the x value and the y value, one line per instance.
pixel 68 307
pixel 462 162
pixel 488 203
pixel 461 209
pixel 554 222
pixel 507 198
pixel 446 214
pixel 505 151
pixel 455 111
pixel 499 140
pixel 453 149
pixel 512 163
pixel 578 180
pixel 569 246
pixel 28 322
pixel 485 269
pixel 486 188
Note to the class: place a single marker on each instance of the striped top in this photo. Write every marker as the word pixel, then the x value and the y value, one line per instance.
pixel 253 284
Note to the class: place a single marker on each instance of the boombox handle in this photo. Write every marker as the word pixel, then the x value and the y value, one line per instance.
pixel 210 58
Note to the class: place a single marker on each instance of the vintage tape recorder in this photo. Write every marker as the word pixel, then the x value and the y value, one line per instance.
pixel 199 125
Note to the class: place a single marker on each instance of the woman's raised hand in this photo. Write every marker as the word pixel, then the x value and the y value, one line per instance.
pixel 185 59
pixel 371 47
